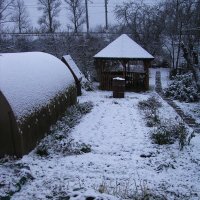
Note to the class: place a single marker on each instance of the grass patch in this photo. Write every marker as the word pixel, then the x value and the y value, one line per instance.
pixel 137 190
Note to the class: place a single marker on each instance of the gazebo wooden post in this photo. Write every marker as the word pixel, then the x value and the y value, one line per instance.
pixel 124 62
pixel 129 66
pixel 102 76
pixel 147 64
pixel 98 67
pixel 102 66
pixel 96 64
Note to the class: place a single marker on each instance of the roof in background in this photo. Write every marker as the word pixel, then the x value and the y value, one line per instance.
pixel 124 47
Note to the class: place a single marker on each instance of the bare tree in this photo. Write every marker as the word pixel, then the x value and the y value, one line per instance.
pixel 5 5
pixel 77 13
pixel 191 58
pixel 51 10
pixel 20 16
pixel 130 15
pixel 179 14
pixel 144 22
pixel 87 18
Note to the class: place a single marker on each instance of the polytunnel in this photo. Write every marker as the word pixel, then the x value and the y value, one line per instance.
pixel 35 90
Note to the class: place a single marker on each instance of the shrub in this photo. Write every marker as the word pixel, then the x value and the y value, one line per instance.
pixel 162 135
pixel 41 150
pixel 182 135
pixel 151 103
pixel 85 148
pixel 168 132
pixel 128 189
pixel 86 85
pixel 183 88
pixel 150 108
pixel 14 175
pixel 152 121
pixel 85 107
pixel 7 158
pixel 59 141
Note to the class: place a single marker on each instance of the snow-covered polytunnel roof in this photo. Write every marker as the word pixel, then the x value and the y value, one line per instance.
pixel 70 62
pixel 31 80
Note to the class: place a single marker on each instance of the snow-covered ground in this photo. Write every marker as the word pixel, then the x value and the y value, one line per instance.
pixel 116 131
pixel 192 109
pixel 164 76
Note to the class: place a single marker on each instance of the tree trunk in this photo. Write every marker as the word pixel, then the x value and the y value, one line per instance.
pixel 50 17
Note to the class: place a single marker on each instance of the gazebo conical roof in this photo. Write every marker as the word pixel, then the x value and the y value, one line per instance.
pixel 124 48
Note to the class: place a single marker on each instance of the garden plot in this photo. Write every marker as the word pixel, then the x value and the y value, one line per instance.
pixel 123 160
pixel 119 139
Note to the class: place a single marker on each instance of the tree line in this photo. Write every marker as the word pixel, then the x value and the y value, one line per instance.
pixel 15 11
pixel 169 29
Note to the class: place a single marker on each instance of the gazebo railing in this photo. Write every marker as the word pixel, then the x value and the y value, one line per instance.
pixel 107 79
pixel 134 81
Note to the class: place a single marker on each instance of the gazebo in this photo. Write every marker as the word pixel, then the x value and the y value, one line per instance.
pixel 126 59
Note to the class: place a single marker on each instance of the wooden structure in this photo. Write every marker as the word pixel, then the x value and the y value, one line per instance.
pixel 77 74
pixel 35 90
pixel 118 87
pixel 126 59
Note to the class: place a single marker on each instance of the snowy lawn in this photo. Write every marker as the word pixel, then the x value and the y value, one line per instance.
pixel 116 131
pixel 123 160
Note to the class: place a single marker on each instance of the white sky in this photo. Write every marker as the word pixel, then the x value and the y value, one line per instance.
pixel 96 12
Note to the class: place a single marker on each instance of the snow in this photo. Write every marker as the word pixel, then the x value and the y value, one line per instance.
pixel 119 79
pixel 116 131
pixel 118 136
pixel 73 66
pixel 30 80
pixel 164 76
pixel 124 47
pixel 190 109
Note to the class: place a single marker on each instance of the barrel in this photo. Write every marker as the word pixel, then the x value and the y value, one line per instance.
pixel 118 86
